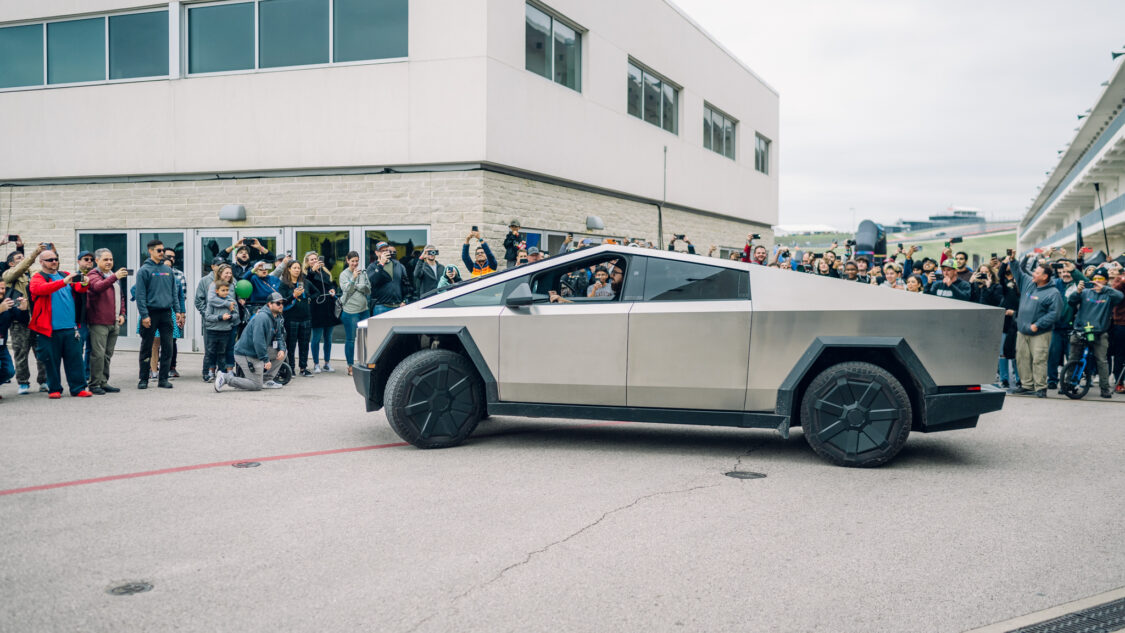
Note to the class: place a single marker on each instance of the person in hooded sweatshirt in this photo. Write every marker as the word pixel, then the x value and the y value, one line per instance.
pixel 220 316
pixel 259 351
pixel 1094 307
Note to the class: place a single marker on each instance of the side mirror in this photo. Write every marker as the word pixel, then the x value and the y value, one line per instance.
pixel 521 297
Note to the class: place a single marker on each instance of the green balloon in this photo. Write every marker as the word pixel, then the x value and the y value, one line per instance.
pixel 243 289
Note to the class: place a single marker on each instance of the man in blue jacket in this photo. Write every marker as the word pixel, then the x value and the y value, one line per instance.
pixel 1094 307
pixel 259 351
pixel 1040 307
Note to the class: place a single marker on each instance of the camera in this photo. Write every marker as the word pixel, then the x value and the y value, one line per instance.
pixel 679 236
pixel 78 278
pixel 849 243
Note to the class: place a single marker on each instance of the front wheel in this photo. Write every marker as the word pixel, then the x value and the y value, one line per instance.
pixel 856 414
pixel 1076 380
pixel 434 398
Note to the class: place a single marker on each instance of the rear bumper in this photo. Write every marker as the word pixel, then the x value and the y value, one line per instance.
pixel 363 379
pixel 951 411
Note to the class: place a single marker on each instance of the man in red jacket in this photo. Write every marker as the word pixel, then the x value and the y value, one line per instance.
pixel 53 319
pixel 105 313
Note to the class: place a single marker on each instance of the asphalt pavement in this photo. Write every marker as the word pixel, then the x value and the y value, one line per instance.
pixel 534 524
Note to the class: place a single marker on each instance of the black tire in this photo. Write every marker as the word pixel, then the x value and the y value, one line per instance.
pixel 284 375
pixel 1073 387
pixel 856 414
pixel 434 398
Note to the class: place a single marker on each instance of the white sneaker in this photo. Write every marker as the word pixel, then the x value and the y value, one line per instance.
pixel 328 369
pixel 316 369
pixel 272 385
pixel 220 380
pixel 24 390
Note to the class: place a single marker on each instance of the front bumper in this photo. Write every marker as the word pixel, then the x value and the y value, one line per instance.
pixel 363 379
pixel 951 411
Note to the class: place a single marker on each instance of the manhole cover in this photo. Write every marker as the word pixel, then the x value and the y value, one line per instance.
pixel 247 464
pixel 745 474
pixel 129 589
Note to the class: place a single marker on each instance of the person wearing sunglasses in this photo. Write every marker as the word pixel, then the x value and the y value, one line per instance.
pixel 156 294
pixel 54 320
pixel 259 351
pixel 429 270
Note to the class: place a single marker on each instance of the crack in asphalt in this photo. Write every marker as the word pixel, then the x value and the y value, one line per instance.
pixel 589 526
pixel 738 462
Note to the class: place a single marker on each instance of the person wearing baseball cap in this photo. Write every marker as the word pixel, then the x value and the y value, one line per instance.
pixel 259 351
pixel 263 284
pixel 391 284
pixel 534 254
pixel 85 265
pixel 950 286
pixel 512 243
pixel 1093 308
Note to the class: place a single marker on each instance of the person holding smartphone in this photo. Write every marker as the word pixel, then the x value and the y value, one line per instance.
pixel 105 314
pixel 54 320
pixel 354 290
pixel 24 339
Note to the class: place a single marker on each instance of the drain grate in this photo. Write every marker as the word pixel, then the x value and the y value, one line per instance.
pixel 247 464
pixel 1103 618
pixel 129 589
pixel 745 474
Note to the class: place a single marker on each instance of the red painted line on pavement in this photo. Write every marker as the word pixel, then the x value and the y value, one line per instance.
pixel 181 469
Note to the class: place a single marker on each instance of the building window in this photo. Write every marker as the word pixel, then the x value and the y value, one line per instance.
pixel 287 33
pixel 718 132
pixel 762 154
pixel 652 98
pixel 554 49
pixel 136 45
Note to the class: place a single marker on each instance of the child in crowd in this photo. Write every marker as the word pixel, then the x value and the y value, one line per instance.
pixel 222 315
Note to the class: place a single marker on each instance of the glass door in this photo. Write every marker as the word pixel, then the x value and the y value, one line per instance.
pixel 118 243
pixel 208 245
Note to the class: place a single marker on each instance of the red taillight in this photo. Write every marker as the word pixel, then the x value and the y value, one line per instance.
pixel 974 388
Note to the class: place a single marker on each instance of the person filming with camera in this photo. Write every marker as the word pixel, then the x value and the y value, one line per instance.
pixel 54 320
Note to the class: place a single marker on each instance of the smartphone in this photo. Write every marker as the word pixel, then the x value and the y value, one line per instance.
pixel 47 246
pixel 994 256
pixel 900 246
pixel 129 271
pixel 13 238
pixel 918 247
pixel 679 236
pixel 475 229
pixel 756 236
pixel 957 240
pixel 288 253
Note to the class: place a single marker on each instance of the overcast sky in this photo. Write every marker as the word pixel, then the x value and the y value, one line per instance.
pixel 901 108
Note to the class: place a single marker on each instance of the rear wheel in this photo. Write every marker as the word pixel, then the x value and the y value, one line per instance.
pixel 856 414
pixel 1076 380
pixel 434 398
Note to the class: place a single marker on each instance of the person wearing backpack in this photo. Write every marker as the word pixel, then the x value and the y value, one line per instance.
pixel 53 318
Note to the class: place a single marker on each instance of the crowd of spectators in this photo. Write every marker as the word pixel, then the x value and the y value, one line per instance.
pixel 256 319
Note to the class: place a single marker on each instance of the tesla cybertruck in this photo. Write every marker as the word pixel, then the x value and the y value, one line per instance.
pixel 642 335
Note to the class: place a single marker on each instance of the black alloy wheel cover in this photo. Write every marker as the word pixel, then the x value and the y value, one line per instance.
pixel 856 415
pixel 440 401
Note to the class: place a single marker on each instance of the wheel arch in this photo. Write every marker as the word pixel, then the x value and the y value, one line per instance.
pixel 891 353
pixel 402 341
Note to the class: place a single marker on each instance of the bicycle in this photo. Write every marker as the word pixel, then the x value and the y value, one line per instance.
pixel 1078 374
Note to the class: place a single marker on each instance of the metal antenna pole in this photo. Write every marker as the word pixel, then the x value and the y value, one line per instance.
pixel 660 209
pixel 1101 210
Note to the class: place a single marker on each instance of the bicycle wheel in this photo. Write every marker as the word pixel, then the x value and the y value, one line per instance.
pixel 1076 380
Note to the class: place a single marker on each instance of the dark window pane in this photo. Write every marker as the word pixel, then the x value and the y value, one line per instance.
pixel 292 33
pixel 669 280
pixel 668 109
pixel 652 99
pixel 21 56
pixel 485 297
pixel 405 241
pixel 76 51
pixel 707 128
pixel 728 138
pixel 370 29
pixel 635 91
pixel 221 38
pixel 538 56
pixel 172 240
pixel 138 45
pixel 567 53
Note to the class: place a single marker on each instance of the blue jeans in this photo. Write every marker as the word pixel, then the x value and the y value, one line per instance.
pixel 7 367
pixel 84 335
pixel 319 334
pixel 1056 355
pixel 1003 364
pixel 379 309
pixel 350 322
pixel 63 346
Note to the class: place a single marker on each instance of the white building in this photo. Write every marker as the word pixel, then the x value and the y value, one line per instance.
pixel 1069 197
pixel 339 123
